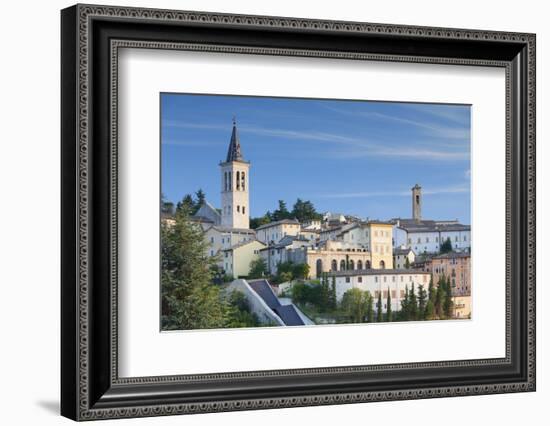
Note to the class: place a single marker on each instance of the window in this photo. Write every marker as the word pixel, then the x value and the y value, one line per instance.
pixel 238 183
pixel 212 239
pixel 385 294
pixel 456 238
pixel 384 279
pixel 367 264
pixel 436 239
pixel 402 293
pixel 427 240
pixel 348 279
pixel 376 233
pixel 225 254
pixel 351 265
pixel 464 237
pixel 409 240
pixel 393 279
pixel 238 207
pixel 410 278
pixel 419 241
pixel 334 265
pixel 393 294
pixel 242 181
pixel 229 182
pixel 382 264
pixel 359 264
pixel 211 252
pixel 342 265
pixel 376 280
pixel 359 279
pixel 244 210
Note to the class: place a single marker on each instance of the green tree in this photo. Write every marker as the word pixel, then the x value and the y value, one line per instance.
pixel 355 305
pixel 404 313
pixel 189 299
pixel 407 263
pixel 166 207
pixel 304 211
pixel 440 295
pixel 282 212
pixel 446 247
pixel 186 206
pixel 388 307
pixel 429 312
pixel 285 277
pixel 300 271
pixel 325 292
pixel 239 313
pixel 255 222
pixel 431 290
pixel 448 305
pixel 422 301
pixel 413 305
pixel 370 307
pixel 379 307
pixel 258 268
pixel 200 197
pixel 332 296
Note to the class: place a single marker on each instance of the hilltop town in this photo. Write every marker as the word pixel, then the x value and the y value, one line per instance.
pixel 293 272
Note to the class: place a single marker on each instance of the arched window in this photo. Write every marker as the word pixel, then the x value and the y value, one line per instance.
pixel 342 265
pixel 367 264
pixel 359 265
pixel 319 267
pixel 229 182
pixel 225 181
pixel 244 211
pixel 382 264
pixel 351 265
pixel 242 181
pixel 334 265
pixel 238 181
pixel 238 207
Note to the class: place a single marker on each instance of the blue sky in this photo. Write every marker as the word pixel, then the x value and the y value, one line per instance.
pixel 352 157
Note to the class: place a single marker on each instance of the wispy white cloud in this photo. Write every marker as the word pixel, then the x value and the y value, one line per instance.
pixel 344 146
pixel 460 131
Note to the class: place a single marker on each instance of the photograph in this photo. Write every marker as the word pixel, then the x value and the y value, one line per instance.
pixel 278 212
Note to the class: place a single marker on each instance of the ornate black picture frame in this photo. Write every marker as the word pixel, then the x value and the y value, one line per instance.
pixel 91 37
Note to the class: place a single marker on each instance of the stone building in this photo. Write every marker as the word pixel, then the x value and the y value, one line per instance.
pixel 273 232
pixel 427 236
pixel 455 266
pixel 380 282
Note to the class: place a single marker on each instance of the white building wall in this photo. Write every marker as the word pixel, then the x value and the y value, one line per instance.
pixel 397 283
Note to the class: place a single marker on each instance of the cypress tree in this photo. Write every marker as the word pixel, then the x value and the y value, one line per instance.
pixel 379 308
pixel 430 310
pixel 388 307
pixel 448 304
pixel 431 290
pixel 333 302
pixel 370 307
pixel 440 297
pixel 405 305
pixel 413 305
pixel 422 296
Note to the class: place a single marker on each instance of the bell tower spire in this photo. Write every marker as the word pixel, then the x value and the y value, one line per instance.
pixel 234 184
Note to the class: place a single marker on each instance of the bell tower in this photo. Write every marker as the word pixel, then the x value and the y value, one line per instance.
pixel 417 202
pixel 234 185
